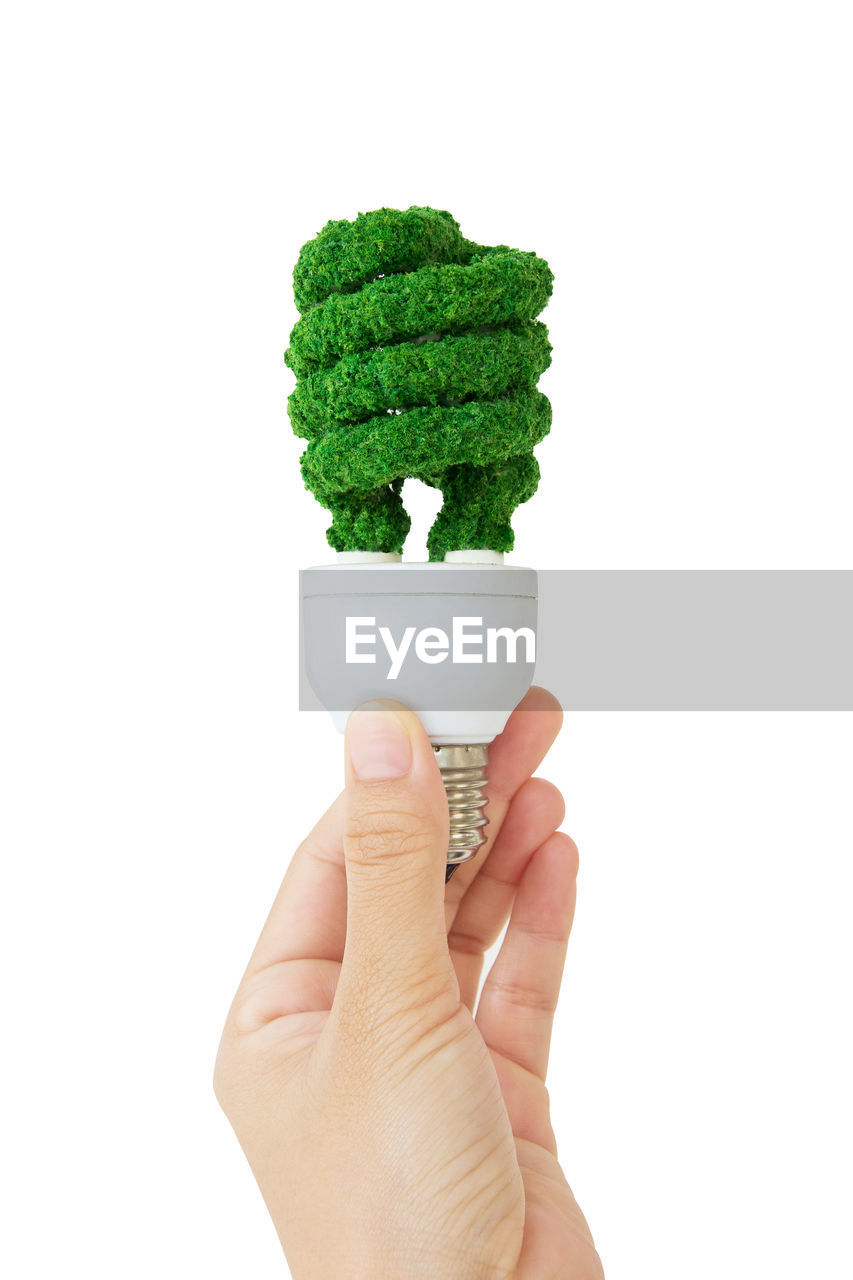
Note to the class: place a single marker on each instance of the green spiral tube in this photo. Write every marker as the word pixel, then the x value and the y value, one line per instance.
pixel 417 354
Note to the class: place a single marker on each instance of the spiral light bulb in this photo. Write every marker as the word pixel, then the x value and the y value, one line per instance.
pixel 417 354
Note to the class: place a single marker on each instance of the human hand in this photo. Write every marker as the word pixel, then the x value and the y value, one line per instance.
pixel 394 1134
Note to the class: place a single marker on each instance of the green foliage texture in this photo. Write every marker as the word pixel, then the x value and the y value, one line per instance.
pixel 417 354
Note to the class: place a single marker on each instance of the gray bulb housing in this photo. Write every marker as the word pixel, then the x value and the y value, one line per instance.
pixel 454 642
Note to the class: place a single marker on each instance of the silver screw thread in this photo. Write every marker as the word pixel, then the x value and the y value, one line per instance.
pixel 463 772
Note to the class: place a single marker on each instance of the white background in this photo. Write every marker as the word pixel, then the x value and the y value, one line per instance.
pixel 685 169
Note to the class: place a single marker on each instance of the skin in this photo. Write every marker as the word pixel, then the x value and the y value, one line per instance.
pixel 398 1128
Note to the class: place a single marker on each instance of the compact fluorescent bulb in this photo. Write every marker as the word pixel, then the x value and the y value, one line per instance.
pixel 417 354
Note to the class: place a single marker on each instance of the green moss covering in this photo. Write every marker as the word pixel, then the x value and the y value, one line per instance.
pixel 417 354
pixel 403 376
pixel 345 255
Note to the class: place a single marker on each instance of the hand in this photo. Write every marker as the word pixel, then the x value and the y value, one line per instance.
pixel 394 1135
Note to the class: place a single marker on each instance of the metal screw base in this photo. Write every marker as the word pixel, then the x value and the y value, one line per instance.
pixel 463 772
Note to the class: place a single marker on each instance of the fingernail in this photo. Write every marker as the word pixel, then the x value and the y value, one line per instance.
pixel 379 747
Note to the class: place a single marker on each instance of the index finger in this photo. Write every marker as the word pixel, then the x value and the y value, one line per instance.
pixel 308 918
pixel 513 756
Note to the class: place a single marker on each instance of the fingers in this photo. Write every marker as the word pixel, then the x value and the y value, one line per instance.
pixel 308 917
pixel 301 987
pixel 395 848
pixel 527 1103
pixel 536 810
pixel 519 997
pixel 513 756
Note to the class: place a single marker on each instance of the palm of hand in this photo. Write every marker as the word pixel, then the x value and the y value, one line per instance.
pixel 477 1075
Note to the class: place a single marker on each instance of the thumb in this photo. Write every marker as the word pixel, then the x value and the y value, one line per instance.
pixel 395 848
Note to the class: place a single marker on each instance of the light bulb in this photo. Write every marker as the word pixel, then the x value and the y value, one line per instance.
pixel 417 355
